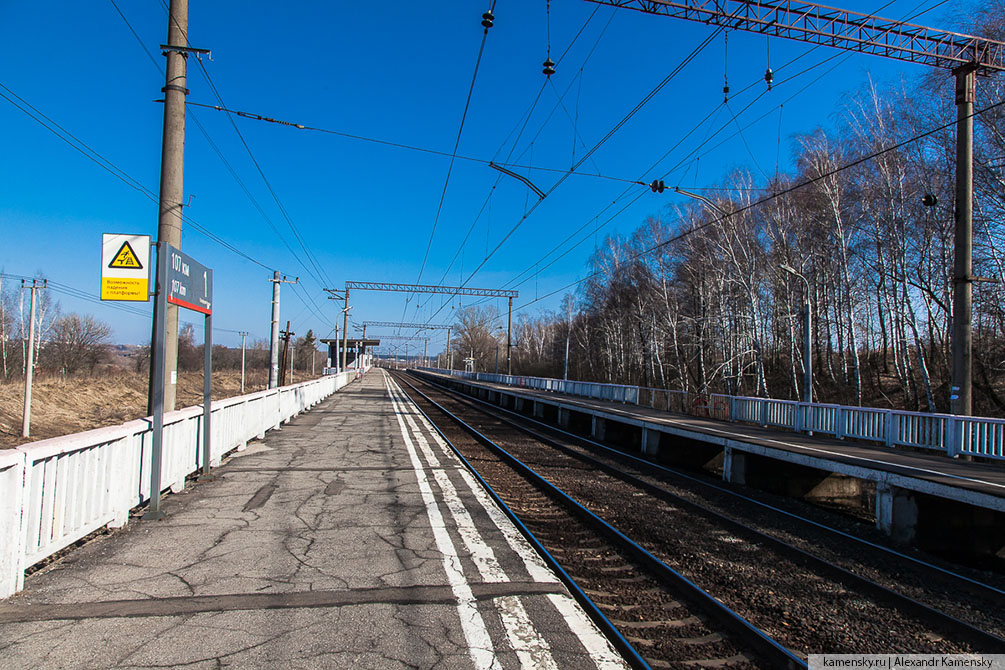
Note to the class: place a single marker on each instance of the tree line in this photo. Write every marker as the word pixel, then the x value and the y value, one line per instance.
pixel 695 299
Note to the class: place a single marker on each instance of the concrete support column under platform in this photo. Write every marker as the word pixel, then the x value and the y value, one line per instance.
pixel 734 466
pixel 650 442
pixel 598 428
pixel 563 417
pixel 518 404
pixel 896 512
pixel 539 409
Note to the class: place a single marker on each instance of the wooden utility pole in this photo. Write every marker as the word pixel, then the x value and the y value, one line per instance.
pixel 29 362
pixel 286 335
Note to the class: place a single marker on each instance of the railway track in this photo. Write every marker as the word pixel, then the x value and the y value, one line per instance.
pixel 792 596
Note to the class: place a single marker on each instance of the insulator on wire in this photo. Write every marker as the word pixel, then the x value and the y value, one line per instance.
pixel 657 186
pixel 487 19
pixel 725 68
pixel 549 67
pixel 769 77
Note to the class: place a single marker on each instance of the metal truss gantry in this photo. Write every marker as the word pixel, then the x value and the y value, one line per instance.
pixel 450 290
pixel 829 26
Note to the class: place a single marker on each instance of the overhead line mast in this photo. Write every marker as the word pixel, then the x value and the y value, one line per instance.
pixel 965 56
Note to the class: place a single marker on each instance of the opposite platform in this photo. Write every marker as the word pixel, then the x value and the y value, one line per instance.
pixel 353 537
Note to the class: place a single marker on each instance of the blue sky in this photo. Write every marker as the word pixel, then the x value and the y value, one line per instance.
pixel 397 72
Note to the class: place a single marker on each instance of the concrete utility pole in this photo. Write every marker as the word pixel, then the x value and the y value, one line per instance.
pixel 333 295
pixel 274 338
pixel 960 393
pixel 172 179
pixel 509 338
pixel 450 353
pixel 243 336
pixel 29 363
pixel 345 329
pixel 568 336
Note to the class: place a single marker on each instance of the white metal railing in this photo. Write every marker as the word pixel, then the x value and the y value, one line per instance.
pixel 56 491
pixel 612 392
pixel 946 433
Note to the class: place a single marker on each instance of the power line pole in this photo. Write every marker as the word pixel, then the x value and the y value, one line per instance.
pixel 568 336
pixel 243 337
pixel 509 339
pixel 274 339
pixel 172 182
pixel 345 328
pixel 29 363
pixel 960 393
pixel 333 295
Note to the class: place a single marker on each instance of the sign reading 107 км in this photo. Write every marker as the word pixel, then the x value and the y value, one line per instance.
pixel 189 283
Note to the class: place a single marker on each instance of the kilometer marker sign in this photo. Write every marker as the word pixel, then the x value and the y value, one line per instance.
pixel 125 267
pixel 189 282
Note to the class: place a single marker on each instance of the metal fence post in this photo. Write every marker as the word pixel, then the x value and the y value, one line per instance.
pixel 952 438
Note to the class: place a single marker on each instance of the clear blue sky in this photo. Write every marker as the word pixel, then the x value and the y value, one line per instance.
pixel 397 72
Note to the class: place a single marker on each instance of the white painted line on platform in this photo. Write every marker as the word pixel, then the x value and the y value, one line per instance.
pixel 533 562
pixel 475 633
pixel 601 651
pixel 530 646
pixel 600 648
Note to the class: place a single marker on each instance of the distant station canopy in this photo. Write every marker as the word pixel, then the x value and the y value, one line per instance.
pixel 354 346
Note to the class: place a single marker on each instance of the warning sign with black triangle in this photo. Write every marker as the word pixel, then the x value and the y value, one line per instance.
pixel 126 258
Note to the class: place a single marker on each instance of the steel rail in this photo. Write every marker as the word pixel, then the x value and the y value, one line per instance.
pixel 776 654
pixel 976 636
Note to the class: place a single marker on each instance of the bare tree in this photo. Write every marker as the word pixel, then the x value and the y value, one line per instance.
pixel 77 342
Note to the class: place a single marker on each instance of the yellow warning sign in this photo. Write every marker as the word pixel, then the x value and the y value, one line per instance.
pixel 125 271
pixel 114 288
pixel 125 257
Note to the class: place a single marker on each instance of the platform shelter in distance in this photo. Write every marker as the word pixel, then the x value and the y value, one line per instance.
pixel 355 348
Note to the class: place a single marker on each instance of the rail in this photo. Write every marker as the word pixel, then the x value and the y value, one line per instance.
pixel 56 491
pixel 945 433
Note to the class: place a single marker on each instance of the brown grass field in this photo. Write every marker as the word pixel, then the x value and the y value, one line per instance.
pixel 61 406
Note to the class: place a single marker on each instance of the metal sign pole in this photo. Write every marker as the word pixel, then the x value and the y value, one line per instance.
pixel 207 392
pixel 157 365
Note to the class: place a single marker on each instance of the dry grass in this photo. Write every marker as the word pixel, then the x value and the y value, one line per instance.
pixel 64 406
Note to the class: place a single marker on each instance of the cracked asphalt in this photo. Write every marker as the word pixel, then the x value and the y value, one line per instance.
pixel 351 538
